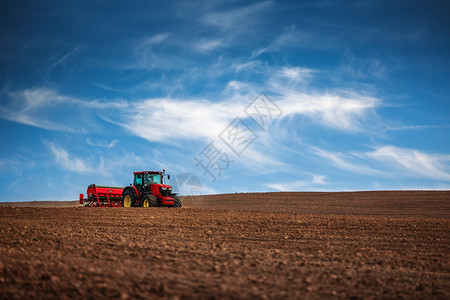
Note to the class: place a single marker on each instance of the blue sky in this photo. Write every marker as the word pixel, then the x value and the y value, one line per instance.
pixel 246 96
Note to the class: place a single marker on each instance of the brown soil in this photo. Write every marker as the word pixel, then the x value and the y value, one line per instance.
pixel 74 203
pixel 276 245
pixel 382 203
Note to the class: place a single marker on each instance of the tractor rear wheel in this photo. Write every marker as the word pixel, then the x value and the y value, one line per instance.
pixel 177 202
pixel 127 199
pixel 149 200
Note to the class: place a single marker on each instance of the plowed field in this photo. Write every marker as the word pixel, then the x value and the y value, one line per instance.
pixel 275 245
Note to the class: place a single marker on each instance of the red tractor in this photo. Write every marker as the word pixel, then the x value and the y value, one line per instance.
pixel 148 190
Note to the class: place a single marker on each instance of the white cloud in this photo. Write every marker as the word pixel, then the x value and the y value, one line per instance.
pixel 290 37
pixel 61 60
pixel 296 73
pixel 106 166
pixel 108 88
pixel 167 120
pixel 230 25
pixel 252 65
pixel 319 179
pixel 410 162
pixel 101 144
pixel 47 109
pixel 209 45
pixel 15 166
pixel 260 160
pixel 32 106
pixel 347 162
pixel 149 53
pixel 71 163
pixel 308 184
pixel 416 127
pixel 359 68
pixel 332 110
pixel 391 162
pixel 235 85
pixel 240 18
pixel 173 121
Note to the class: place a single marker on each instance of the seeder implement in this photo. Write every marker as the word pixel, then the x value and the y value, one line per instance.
pixel 102 196
pixel 147 190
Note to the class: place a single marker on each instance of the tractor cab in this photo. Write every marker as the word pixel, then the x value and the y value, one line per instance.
pixel 149 189
pixel 144 180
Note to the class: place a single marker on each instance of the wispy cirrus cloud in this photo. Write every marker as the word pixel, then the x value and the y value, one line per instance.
pixel 390 161
pixel 315 182
pixel 15 167
pixel 357 68
pixel 241 18
pixel 192 119
pixel 31 107
pixel 297 74
pixel 149 53
pixel 50 110
pixel 72 163
pixel 289 38
pixel 343 112
pixel 63 59
pixel 207 45
pixel 416 127
pixel 348 162
pixel 101 144
pixel 411 162
pixel 158 119
pixel 106 165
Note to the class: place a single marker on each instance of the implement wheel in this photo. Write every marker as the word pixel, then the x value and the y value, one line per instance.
pixel 149 200
pixel 127 199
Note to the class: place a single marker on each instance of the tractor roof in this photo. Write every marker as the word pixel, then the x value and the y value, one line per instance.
pixel 148 172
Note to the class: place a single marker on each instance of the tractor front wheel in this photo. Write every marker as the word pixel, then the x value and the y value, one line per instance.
pixel 149 201
pixel 177 202
pixel 127 199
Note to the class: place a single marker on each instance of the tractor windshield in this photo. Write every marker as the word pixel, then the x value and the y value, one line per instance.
pixel 152 179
